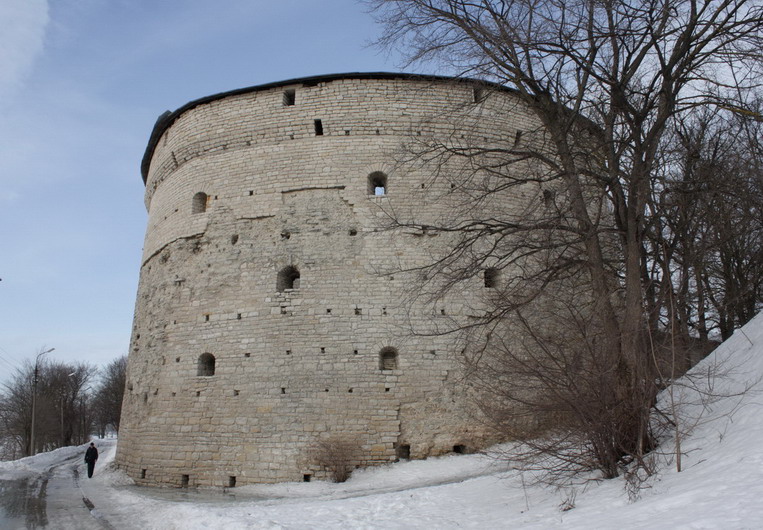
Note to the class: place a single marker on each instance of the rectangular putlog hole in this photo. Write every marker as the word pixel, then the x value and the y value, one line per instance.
pixel 142 473
pixel 185 480
pixel 231 481
pixel 318 127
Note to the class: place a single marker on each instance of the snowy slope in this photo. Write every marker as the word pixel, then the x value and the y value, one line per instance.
pixel 721 485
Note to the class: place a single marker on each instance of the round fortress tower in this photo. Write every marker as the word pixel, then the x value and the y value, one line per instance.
pixel 270 315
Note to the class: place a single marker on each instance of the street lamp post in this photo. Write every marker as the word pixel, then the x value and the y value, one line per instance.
pixel 34 398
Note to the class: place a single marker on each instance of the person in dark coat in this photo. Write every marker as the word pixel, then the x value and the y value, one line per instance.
pixel 91 455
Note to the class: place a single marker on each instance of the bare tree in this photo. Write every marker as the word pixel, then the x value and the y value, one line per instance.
pixel 61 414
pixel 606 82
pixel 108 396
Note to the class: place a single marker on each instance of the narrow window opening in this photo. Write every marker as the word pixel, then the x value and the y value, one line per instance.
pixel 251 192
pixel 289 97
pixel 238 316
pixel 478 95
pixel 491 277
pixel 323 350
pixel 377 183
pixel 206 365
pixel 231 481
pixel 517 138
pixel 199 203
pixel 283 390
pixel 388 359
pixel 354 352
pixel 288 278
pixel 184 480
pixel 318 127
pixel 306 477
pixel 142 473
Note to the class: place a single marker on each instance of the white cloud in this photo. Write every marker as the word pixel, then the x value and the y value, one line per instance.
pixel 22 32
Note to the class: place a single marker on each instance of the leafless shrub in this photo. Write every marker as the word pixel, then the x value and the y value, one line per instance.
pixel 337 456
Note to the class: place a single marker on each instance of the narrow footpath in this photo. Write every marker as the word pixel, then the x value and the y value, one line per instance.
pixel 53 499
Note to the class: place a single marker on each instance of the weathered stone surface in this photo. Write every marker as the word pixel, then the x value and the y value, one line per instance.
pixel 299 364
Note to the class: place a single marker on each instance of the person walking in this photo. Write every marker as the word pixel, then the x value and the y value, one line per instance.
pixel 91 455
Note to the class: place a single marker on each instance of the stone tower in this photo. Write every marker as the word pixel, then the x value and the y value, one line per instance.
pixel 269 315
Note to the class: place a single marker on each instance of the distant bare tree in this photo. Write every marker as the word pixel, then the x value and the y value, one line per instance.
pixel 60 408
pixel 108 396
pixel 607 83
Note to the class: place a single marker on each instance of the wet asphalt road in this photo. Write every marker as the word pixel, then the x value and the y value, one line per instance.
pixel 51 500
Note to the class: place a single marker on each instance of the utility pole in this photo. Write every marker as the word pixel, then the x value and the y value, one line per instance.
pixel 34 398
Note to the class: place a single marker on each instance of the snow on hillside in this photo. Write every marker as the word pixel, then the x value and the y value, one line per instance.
pixel 721 485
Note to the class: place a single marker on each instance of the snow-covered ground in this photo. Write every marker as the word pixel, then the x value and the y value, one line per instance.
pixel 720 486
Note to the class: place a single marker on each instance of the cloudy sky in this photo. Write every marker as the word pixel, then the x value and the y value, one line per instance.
pixel 81 85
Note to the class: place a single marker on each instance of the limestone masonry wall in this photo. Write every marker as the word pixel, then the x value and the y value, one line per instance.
pixel 268 316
